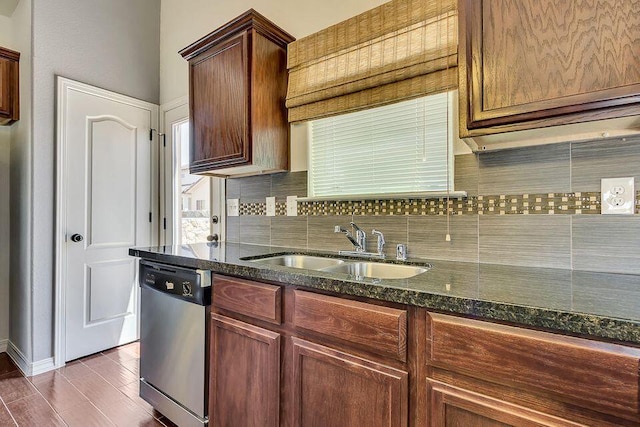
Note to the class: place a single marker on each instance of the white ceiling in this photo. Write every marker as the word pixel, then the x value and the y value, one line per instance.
pixel 7 7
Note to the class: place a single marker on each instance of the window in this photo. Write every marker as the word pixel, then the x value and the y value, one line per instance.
pixel 394 149
pixel 191 209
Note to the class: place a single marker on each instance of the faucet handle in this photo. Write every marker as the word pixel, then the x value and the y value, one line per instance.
pixel 401 252
pixel 338 229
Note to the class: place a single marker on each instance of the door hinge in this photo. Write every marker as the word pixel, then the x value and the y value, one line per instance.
pixel 150 134
pixel 164 223
pixel 164 139
pixel 150 217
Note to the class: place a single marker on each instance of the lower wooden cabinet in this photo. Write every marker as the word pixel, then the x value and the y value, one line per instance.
pixel 333 388
pixel 281 356
pixel 245 374
pixel 452 406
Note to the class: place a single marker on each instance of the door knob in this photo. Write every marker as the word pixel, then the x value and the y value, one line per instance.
pixel 213 237
pixel 77 238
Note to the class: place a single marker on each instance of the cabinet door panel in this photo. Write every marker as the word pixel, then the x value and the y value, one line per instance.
pixel 529 60
pixel 9 86
pixel 245 374
pixel 5 80
pixel 220 105
pixel 451 406
pixel 332 388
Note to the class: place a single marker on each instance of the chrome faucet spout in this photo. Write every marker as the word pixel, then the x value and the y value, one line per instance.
pixel 361 237
pixel 338 229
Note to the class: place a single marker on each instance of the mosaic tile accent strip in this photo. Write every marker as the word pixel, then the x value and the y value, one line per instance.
pixel 579 203
pixel 253 209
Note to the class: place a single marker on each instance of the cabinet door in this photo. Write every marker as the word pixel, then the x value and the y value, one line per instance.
pixel 332 388
pixel 219 105
pixel 5 81
pixel 9 97
pixel 523 61
pixel 245 374
pixel 452 406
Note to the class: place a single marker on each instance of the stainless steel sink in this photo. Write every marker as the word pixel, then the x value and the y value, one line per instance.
pixel 308 262
pixel 374 270
pixel 378 270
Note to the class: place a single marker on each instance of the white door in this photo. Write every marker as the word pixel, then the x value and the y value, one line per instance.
pixel 106 207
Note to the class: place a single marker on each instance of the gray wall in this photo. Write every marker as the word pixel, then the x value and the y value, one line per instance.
pixel 20 307
pixel 575 235
pixel 111 44
pixel 5 135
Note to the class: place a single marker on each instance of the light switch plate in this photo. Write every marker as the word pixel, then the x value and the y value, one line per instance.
pixel 271 206
pixel 233 207
pixel 618 196
pixel 292 205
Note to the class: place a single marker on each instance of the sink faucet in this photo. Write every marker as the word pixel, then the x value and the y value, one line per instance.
pixel 361 237
pixel 347 233
pixel 360 242
pixel 381 241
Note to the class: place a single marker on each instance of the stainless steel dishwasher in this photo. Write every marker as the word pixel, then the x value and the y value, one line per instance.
pixel 174 340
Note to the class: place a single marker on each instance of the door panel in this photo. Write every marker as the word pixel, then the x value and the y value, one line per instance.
pixel 106 194
pixel 108 294
pixel 111 197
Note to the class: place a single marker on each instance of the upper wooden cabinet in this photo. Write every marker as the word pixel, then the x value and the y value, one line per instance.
pixel 9 95
pixel 528 64
pixel 237 90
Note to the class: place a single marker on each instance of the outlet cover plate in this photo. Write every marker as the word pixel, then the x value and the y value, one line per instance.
pixel 271 206
pixel 233 207
pixel 292 205
pixel 618 196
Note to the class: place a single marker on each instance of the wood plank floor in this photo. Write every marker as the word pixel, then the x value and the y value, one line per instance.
pixel 98 390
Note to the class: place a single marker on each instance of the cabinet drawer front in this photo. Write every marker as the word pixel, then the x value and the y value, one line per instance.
pixel 592 374
pixel 380 330
pixel 253 299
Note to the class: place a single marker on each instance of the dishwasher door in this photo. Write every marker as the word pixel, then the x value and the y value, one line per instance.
pixel 173 348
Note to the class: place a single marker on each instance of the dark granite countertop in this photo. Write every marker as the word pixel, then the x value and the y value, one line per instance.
pixel 604 306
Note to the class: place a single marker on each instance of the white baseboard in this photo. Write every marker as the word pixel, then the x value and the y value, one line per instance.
pixel 42 366
pixel 28 368
pixel 3 346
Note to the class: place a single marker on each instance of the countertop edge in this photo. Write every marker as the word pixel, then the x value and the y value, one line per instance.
pixel 573 323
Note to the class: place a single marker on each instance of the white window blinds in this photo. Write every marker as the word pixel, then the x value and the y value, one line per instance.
pixel 395 149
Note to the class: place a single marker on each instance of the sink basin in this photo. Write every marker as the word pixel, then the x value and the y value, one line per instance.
pixel 378 270
pixel 308 262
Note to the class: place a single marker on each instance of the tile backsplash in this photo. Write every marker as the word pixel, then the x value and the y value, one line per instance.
pixel 534 206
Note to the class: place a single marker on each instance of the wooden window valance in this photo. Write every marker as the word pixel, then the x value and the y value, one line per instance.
pixel 400 50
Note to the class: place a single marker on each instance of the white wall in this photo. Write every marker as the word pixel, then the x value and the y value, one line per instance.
pixel 185 21
pixel 5 141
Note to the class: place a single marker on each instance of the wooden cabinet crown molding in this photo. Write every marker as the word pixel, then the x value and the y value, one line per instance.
pixel 9 54
pixel 249 19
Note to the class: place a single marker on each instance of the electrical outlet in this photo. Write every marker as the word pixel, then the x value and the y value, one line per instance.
pixel 233 207
pixel 292 205
pixel 618 196
pixel 271 206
